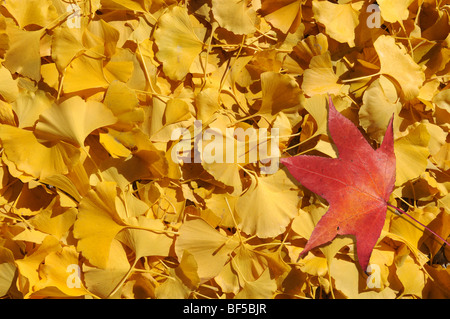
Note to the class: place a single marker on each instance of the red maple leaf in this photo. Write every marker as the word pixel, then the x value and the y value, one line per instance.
pixel 356 185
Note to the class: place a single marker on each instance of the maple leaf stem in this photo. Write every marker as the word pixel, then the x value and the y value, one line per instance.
pixel 403 212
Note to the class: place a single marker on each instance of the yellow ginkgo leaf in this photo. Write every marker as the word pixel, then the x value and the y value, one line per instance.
pixel 393 11
pixel 29 105
pixel 235 15
pixel 262 288
pixel 411 276
pixel 411 233
pixel 280 92
pixel 66 45
pixel 105 282
pixel 306 49
pixel 27 12
pixel 317 107
pixel 8 89
pixel 412 154
pixel 148 239
pixel 209 247
pixel 113 146
pixel 124 104
pixel 61 271
pixel 144 149
pixel 178 45
pixel 320 77
pixel 283 15
pixel 23 55
pixel 396 63
pixel 73 120
pixel 177 110
pixel 34 159
pixel 380 102
pixel 7 270
pixel 118 70
pixel 75 75
pixel 28 266
pixel 55 222
pixel 348 279
pixel 172 288
pixel 97 208
pixel 268 206
pixel 340 20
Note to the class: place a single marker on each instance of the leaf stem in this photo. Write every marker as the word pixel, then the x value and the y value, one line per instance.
pixel 403 212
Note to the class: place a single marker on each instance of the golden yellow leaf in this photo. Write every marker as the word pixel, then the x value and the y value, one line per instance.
pixel 29 105
pixel 27 12
pixel 262 288
pixel 412 154
pixel 380 103
pixel 124 104
pixel 97 208
pixel 23 55
pixel 8 90
pixel 280 92
pixel 60 271
pixel 282 14
pixel 320 77
pixel 340 20
pixel 75 79
pixel 393 11
pixel 105 282
pixel 33 158
pixel 209 247
pixel 148 239
pixel 267 206
pixel 73 120
pixel 178 45
pixel 7 270
pixel 235 15
pixel 396 63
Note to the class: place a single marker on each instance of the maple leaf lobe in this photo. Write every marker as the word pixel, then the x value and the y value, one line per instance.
pixel 357 185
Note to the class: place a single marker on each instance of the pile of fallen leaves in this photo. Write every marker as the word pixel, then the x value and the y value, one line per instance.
pixel 93 205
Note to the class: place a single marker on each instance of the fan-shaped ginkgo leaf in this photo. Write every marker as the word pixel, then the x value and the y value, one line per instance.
pixel 75 78
pixel 412 151
pixel 267 207
pixel 209 247
pixel 284 15
pixel 55 269
pixel 32 158
pixel 150 240
pixel 73 120
pixel 66 45
pixel 393 11
pixel 97 223
pixel 234 15
pixel 320 77
pixel 280 92
pixel 397 63
pixel 340 20
pixel 29 105
pixel 24 55
pixel 124 104
pixel 27 12
pixel 104 282
pixel 177 42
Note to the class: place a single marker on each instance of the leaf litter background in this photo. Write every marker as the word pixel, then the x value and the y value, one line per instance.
pixel 87 112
